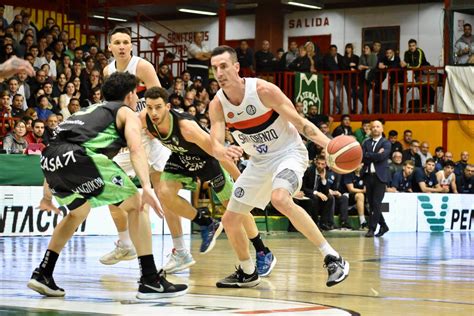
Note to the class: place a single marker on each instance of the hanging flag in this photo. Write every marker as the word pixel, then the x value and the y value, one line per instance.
pixel 309 90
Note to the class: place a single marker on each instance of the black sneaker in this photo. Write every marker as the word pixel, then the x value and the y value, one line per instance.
pixel 364 226
pixel 324 227
pixel 159 288
pixel 345 226
pixel 44 285
pixel 338 269
pixel 239 279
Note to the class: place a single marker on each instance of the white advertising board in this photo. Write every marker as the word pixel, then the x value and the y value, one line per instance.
pixel 19 216
pixel 399 211
pixel 445 212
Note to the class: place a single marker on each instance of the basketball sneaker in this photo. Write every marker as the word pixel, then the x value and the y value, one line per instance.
pixel 364 226
pixel 159 288
pixel 179 260
pixel 338 269
pixel 44 285
pixel 239 279
pixel 209 235
pixel 345 226
pixel 121 252
pixel 265 263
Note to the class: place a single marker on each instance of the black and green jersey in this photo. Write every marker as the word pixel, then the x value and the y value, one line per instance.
pixel 174 140
pixel 189 161
pixel 94 129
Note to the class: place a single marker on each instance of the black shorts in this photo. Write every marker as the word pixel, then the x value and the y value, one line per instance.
pixel 73 173
pixel 193 166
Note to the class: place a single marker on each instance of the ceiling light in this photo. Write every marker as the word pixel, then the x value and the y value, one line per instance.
pixel 246 6
pixel 308 4
pixel 109 18
pixel 194 11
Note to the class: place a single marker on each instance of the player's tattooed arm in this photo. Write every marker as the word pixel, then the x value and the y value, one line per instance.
pixel 309 131
pixel 272 96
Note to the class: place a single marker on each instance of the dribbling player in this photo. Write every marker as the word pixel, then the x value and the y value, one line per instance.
pixel 265 124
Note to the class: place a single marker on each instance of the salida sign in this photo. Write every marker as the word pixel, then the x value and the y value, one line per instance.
pixel 308 22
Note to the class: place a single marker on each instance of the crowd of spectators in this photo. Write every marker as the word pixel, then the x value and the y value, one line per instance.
pixel 68 77
pixel 412 167
pixel 367 71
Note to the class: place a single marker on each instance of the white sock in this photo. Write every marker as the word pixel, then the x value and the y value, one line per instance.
pixel 362 219
pixel 326 249
pixel 124 237
pixel 248 266
pixel 178 243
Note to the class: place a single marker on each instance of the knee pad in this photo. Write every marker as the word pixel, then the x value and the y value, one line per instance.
pixel 286 179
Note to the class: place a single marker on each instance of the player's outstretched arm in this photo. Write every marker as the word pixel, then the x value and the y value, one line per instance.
pixel 220 152
pixel 194 134
pixel 14 65
pixel 46 203
pixel 272 97
pixel 132 128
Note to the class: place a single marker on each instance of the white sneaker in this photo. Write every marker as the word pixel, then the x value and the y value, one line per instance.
pixel 120 253
pixel 179 260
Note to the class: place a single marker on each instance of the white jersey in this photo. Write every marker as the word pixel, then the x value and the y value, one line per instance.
pixel 259 130
pixel 446 182
pixel 157 153
pixel 132 69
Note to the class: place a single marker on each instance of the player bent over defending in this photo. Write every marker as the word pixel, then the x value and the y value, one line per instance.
pixel 79 157
pixel 190 145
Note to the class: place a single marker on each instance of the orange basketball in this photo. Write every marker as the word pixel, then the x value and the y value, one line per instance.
pixel 344 154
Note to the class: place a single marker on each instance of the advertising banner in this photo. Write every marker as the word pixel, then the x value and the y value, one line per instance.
pixel 445 212
pixel 20 217
pixel 399 211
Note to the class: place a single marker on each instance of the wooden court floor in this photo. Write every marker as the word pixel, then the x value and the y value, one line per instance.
pixel 399 274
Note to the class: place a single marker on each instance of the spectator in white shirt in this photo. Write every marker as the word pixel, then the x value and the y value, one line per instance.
pixel 424 153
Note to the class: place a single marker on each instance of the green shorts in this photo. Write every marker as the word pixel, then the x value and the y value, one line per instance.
pixel 73 173
pixel 221 184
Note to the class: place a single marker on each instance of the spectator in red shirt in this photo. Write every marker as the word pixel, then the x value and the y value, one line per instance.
pixel 35 138
pixel 36 135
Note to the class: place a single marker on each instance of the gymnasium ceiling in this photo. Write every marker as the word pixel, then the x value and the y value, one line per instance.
pixel 167 9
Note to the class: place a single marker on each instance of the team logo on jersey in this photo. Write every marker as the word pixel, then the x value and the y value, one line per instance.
pixel 251 109
pixel 230 115
pixel 239 192
pixel 117 180
pixel 175 140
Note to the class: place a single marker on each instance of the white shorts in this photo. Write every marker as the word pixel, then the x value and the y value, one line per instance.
pixel 254 187
pixel 157 156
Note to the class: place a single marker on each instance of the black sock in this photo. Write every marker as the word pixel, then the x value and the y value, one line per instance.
pixel 147 267
pixel 202 219
pixel 48 263
pixel 258 244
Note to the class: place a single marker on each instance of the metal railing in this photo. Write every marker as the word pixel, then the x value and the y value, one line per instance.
pixel 384 91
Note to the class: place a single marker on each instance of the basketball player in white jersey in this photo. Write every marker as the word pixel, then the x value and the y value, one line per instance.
pixel 447 178
pixel 120 44
pixel 265 124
